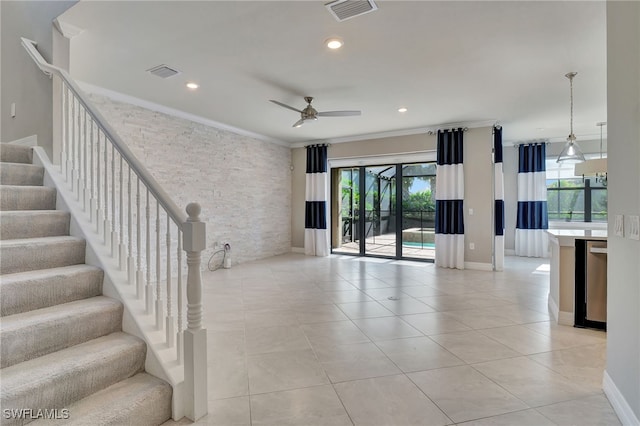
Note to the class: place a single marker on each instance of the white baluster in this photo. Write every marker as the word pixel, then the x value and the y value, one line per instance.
pixel 169 319
pixel 123 245
pixel 92 200
pixel 99 214
pixel 180 333
pixel 86 201
pixel 114 234
pixel 74 171
pixel 107 224
pixel 159 308
pixel 130 260
pixel 65 131
pixel 78 136
pixel 139 279
pixel 195 337
pixel 149 288
pixel 69 138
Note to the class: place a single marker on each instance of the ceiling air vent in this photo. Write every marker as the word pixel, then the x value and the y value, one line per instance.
pixel 163 71
pixel 347 9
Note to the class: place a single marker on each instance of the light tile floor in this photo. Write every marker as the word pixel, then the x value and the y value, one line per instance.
pixel 296 340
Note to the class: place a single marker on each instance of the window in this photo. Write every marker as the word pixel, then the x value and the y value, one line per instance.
pixel 573 199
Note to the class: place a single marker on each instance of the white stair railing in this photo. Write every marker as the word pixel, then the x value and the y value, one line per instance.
pixel 114 188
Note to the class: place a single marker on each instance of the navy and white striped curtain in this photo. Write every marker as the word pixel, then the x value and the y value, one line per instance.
pixel 498 191
pixel 449 230
pixel 532 221
pixel 316 237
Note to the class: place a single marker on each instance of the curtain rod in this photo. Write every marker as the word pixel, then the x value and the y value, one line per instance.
pixel 432 132
pixel 532 142
pixel 317 144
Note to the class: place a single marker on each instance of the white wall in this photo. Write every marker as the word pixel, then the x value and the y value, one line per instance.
pixel 22 82
pixel 243 185
pixel 623 110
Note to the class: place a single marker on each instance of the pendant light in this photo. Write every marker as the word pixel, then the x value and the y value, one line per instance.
pixel 571 153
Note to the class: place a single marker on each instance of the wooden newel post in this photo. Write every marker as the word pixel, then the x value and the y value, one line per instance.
pixel 195 337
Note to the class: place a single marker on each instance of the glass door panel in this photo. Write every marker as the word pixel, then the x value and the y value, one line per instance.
pixel 418 210
pixel 349 208
pixel 379 211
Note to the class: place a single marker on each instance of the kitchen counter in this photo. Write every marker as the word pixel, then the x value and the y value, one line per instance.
pixel 562 270
pixel 567 237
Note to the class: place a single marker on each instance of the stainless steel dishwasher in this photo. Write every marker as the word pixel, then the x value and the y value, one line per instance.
pixel 591 284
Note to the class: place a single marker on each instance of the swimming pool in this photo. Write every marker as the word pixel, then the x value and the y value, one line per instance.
pixel 418 245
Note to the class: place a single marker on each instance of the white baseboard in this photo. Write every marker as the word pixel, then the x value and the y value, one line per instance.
pixel 509 252
pixel 560 317
pixel 566 318
pixel 553 308
pixel 478 266
pixel 28 141
pixel 297 250
pixel 618 402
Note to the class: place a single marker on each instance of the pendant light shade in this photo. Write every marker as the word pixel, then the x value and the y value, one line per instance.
pixel 571 153
pixel 594 168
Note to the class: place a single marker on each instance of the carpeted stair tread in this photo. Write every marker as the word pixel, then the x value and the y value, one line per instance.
pixel 29 254
pixel 33 224
pixel 31 290
pixel 61 344
pixel 58 379
pixel 18 197
pixel 36 333
pixel 140 400
pixel 10 153
pixel 21 174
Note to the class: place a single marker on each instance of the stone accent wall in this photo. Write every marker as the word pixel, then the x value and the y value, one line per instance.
pixel 242 184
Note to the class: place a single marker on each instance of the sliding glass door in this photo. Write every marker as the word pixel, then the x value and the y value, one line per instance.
pixel 385 210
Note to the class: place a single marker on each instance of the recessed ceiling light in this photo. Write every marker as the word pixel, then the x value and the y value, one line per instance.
pixel 193 86
pixel 334 43
pixel 402 109
pixel 540 129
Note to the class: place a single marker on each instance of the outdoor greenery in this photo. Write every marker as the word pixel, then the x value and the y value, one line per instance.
pixel 419 201
pixel 413 203
pixel 566 201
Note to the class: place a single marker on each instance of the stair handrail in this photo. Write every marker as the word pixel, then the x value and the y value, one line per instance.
pixel 191 228
pixel 160 194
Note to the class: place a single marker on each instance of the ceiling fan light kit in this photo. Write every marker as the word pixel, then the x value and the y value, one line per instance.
pixel 310 113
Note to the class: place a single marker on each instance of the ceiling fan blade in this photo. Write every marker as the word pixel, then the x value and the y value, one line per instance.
pixel 298 123
pixel 285 106
pixel 338 113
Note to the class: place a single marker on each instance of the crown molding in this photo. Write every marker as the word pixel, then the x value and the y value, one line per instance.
pixel 128 99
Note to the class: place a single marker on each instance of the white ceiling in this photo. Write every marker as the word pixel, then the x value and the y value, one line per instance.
pixel 447 61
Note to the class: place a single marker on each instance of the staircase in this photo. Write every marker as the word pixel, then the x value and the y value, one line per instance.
pixel 62 349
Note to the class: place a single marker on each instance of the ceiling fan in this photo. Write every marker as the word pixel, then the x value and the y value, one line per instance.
pixel 309 112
